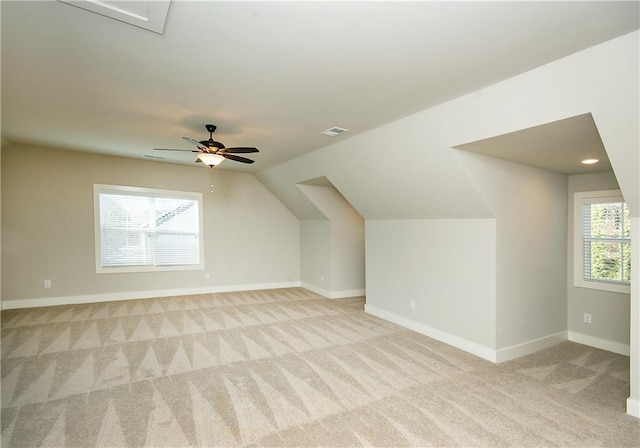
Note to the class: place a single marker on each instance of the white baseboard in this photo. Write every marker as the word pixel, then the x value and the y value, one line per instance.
pixel 316 289
pixel 348 293
pixel 455 341
pixel 526 348
pixel 116 296
pixel 333 294
pixel 474 348
pixel 633 407
pixel 604 344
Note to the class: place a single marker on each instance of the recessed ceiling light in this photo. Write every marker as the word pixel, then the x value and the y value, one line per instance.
pixel 589 161
pixel 332 132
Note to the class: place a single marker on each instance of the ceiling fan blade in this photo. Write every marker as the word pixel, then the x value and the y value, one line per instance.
pixel 171 149
pixel 195 142
pixel 241 150
pixel 237 158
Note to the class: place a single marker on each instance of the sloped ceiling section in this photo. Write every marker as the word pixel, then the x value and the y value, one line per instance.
pixel 401 170
pixel 326 206
pixel 408 169
pixel 559 146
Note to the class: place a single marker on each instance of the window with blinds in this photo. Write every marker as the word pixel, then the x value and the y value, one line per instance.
pixel 604 252
pixel 141 229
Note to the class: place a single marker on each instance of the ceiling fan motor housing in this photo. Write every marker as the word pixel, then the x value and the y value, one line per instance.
pixel 212 144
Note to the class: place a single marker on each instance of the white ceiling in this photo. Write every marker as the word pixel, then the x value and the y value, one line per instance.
pixel 559 146
pixel 268 74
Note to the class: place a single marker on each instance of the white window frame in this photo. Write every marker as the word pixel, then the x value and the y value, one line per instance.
pixel 579 199
pixel 146 192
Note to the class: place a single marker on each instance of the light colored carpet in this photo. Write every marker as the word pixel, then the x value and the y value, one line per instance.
pixel 288 368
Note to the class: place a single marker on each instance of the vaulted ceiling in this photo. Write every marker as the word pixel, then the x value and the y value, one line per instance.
pixel 268 74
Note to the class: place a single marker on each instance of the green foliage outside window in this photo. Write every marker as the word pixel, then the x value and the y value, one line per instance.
pixel 607 242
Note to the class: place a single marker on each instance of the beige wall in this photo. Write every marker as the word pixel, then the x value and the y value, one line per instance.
pixel 609 310
pixel 530 206
pixel 437 277
pixel 315 255
pixel 250 239
pixel 344 244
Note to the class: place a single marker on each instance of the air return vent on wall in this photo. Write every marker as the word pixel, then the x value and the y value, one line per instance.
pixel 150 15
pixel 332 132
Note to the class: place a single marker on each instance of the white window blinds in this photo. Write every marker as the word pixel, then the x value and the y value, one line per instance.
pixel 606 240
pixel 145 229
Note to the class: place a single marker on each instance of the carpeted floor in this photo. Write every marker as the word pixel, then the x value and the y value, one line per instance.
pixel 288 368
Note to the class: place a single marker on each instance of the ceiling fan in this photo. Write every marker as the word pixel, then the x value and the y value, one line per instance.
pixel 211 152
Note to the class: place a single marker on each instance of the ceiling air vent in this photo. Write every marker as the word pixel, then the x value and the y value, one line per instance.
pixel 332 132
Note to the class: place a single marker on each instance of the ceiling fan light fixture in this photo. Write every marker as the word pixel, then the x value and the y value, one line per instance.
pixel 210 159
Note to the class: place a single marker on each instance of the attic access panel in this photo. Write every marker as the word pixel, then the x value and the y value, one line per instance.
pixel 150 15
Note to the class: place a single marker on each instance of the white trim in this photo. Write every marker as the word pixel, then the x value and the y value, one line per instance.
pixel 579 198
pixel 334 294
pixel 144 192
pixel 633 403
pixel 154 18
pixel 317 290
pixel 348 293
pixel 633 407
pixel 117 296
pixel 455 341
pixel 603 344
pixel 526 348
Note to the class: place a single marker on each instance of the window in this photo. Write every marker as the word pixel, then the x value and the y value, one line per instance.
pixel 602 241
pixel 141 229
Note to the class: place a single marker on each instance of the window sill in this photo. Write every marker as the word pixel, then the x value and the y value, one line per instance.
pixel 602 286
pixel 131 269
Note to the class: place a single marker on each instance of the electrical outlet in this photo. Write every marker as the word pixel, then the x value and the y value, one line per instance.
pixel 47 283
pixel 322 278
pixel 207 275
pixel 412 304
pixel 586 318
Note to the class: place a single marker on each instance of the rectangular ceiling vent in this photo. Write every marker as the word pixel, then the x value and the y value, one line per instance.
pixel 332 132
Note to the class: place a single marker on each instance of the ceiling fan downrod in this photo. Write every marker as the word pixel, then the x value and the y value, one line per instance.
pixel 211 144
